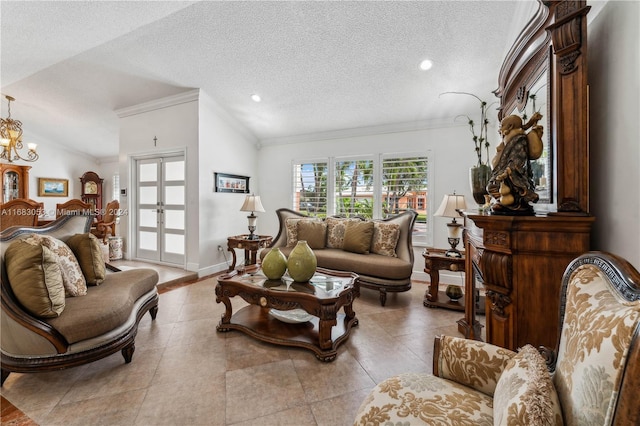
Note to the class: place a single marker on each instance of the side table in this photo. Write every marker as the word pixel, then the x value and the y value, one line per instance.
pixel 435 260
pixel 250 247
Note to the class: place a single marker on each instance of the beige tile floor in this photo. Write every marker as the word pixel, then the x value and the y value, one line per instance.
pixel 185 373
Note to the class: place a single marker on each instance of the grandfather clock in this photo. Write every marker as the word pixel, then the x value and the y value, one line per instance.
pixel 92 192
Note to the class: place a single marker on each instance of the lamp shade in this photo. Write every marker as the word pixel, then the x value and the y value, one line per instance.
pixel 450 205
pixel 252 204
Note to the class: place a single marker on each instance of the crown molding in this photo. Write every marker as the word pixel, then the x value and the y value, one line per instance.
pixel 362 131
pixel 180 98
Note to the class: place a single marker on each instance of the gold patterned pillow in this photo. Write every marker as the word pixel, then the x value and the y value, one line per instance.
pixel 385 238
pixel 72 277
pixel 525 393
pixel 35 278
pixel 336 227
pixel 291 227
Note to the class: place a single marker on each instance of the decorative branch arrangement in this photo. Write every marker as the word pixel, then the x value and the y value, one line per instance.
pixel 480 140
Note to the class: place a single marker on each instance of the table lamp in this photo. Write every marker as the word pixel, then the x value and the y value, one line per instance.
pixel 451 206
pixel 252 204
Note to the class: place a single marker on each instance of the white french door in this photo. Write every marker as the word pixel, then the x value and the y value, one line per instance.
pixel 160 209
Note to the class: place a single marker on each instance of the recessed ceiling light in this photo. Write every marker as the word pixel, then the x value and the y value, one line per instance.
pixel 426 65
pixel 256 98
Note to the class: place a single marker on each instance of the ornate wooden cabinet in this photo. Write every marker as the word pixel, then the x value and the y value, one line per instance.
pixel 15 182
pixel 521 259
pixel 92 192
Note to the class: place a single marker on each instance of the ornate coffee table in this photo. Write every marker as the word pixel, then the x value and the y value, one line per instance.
pixel 288 313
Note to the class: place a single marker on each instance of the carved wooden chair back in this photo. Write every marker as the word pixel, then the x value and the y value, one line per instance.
pixel 19 212
pixel 72 206
pixel 107 226
pixel 599 348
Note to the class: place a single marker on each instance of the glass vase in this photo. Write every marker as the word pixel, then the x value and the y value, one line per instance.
pixel 302 262
pixel 479 179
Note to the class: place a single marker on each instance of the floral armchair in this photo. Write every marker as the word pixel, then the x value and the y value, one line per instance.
pixel 595 370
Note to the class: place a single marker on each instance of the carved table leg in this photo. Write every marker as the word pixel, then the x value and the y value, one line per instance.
pixel 233 257
pixel 226 317
pixel 431 295
pixel 350 314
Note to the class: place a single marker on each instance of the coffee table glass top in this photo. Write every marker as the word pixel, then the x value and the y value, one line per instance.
pixel 321 285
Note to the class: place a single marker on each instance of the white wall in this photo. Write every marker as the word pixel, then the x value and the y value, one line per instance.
pixel 57 163
pixel 106 170
pixel 614 79
pixel 174 122
pixel 228 148
pixel 192 122
pixel 450 148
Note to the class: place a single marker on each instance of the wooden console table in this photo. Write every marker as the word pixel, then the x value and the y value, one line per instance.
pixel 521 260
pixel 250 247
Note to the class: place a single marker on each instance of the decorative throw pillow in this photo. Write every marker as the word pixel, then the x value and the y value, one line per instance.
pixel 336 227
pixel 291 226
pixel 35 278
pixel 385 238
pixel 72 277
pixel 88 252
pixel 313 232
pixel 357 237
pixel 525 393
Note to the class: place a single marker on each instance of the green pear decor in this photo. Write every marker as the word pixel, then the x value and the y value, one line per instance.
pixel 302 262
pixel 274 264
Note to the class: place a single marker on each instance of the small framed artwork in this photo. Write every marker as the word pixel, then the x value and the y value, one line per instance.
pixel 231 183
pixel 48 187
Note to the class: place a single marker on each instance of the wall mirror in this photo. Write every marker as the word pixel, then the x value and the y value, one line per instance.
pixel 525 88
pixel 537 101
pixel 546 70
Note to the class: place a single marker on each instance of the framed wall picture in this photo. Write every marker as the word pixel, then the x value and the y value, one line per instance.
pixel 48 187
pixel 231 183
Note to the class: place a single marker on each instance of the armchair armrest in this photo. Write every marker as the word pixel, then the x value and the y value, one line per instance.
pixel 104 226
pixel 475 364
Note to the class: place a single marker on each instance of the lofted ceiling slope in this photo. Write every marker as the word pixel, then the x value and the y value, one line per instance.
pixel 320 67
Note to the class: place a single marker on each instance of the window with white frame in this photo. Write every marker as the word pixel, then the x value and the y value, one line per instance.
pixel 116 187
pixel 353 190
pixel 374 186
pixel 310 187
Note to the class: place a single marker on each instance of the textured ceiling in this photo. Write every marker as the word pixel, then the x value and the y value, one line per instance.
pixel 318 66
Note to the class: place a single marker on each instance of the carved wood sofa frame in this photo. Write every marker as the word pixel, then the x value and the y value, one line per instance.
pixel 58 353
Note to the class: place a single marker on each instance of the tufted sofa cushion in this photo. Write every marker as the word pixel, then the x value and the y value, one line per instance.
pixel 370 264
pixel 105 307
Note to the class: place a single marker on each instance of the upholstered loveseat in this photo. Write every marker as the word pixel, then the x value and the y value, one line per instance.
pixel 595 368
pixel 47 325
pixel 379 251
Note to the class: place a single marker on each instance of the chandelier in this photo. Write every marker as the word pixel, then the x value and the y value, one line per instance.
pixel 11 139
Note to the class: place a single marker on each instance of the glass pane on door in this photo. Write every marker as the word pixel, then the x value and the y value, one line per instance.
pixel 148 172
